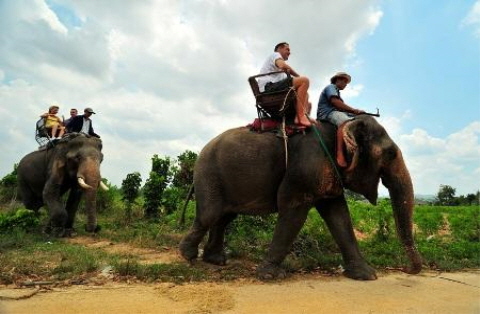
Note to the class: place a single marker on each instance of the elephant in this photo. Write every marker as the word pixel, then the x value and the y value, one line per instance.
pixel 244 172
pixel 72 164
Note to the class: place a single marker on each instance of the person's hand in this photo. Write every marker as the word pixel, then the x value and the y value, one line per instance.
pixel 358 111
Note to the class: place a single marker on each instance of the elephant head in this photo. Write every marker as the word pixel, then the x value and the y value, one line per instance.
pixel 372 156
pixel 78 161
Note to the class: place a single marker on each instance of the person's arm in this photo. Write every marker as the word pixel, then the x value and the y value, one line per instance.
pixel 280 63
pixel 92 132
pixel 44 115
pixel 340 105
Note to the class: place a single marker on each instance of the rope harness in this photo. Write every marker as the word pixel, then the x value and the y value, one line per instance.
pixel 284 133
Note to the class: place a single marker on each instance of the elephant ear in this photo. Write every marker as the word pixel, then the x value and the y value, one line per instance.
pixel 58 170
pixel 353 137
pixel 58 165
pixel 359 174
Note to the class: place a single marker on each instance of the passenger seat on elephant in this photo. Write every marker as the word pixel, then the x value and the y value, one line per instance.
pixel 42 137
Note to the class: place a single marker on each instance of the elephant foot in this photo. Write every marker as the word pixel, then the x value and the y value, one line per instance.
pixel 69 233
pixel 360 272
pixel 96 229
pixel 188 251
pixel 219 258
pixel 56 232
pixel 268 271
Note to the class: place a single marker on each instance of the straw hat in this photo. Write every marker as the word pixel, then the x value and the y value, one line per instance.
pixel 341 74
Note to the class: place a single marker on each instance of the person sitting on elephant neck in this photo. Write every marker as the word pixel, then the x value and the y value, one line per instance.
pixel 53 124
pixel 280 81
pixel 82 123
pixel 332 108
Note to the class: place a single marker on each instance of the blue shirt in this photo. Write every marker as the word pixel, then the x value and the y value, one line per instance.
pixel 325 107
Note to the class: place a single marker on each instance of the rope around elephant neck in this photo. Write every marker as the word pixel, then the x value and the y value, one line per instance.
pixel 284 132
pixel 322 144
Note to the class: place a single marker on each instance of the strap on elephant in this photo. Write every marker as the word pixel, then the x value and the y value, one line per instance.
pixel 283 129
pixel 322 144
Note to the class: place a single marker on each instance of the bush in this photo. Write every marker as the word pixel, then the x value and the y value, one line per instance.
pixel 22 218
pixel 8 186
pixel 106 200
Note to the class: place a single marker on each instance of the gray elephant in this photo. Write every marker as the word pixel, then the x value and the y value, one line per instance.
pixel 242 172
pixel 72 164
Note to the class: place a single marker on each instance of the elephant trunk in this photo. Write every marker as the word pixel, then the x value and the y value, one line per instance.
pixel 89 175
pixel 396 179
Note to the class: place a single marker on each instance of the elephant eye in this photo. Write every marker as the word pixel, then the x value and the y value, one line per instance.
pixel 390 153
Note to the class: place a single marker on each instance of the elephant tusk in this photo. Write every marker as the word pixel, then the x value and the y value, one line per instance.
pixel 82 183
pixel 103 186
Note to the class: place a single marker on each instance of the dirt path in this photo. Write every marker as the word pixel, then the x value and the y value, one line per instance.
pixel 392 293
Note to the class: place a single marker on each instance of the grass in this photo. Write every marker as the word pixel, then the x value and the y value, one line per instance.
pixel 447 237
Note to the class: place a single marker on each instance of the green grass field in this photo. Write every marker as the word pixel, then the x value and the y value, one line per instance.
pixel 447 237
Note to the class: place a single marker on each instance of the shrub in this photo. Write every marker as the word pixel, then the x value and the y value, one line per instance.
pixel 22 218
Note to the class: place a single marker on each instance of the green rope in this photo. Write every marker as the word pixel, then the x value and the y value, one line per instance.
pixel 319 136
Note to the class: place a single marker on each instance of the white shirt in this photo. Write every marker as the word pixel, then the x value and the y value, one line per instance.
pixel 85 126
pixel 270 66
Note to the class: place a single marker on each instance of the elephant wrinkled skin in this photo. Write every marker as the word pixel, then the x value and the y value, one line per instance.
pixel 73 164
pixel 241 172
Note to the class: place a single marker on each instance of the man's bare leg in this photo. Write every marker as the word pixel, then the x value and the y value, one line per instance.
pixel 301 85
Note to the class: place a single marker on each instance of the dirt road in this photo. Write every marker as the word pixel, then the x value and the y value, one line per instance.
pixel 393 292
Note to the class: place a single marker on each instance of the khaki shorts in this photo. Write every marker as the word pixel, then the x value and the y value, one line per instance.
pixel 339 117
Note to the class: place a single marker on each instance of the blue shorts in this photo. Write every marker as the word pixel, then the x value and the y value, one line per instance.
pixel 339 117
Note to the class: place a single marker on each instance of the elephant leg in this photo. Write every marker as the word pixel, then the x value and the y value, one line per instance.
pixel 214 251
pixel 58 215
pixel 189 245
pixel 289 223
pixel 71 207
pixel 337 217
pixel 29 198
pixel 32 202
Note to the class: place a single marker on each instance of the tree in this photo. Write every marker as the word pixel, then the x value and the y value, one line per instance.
pixel 8 186
pixel 446 195
pixel 155 185
pixel 130 191
pixel 472 199
pixel 183 176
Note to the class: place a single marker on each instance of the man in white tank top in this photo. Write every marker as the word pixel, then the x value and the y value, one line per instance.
pixel 279 81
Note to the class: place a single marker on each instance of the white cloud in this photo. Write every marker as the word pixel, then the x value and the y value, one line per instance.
pixel 163 76
pixel 473 18
pixel 454 160
pixel 352 90
pixel 166 76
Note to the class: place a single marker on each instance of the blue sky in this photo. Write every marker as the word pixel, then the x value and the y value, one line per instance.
pixel 167 76
pixel 423 58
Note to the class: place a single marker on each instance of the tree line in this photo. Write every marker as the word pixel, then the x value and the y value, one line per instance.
pixel 168 184
pixel 446 196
